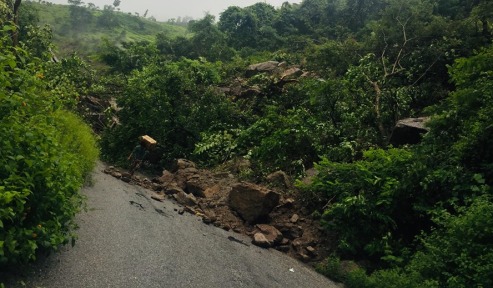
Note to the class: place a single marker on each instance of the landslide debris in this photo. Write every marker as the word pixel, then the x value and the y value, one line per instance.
pixel 268 213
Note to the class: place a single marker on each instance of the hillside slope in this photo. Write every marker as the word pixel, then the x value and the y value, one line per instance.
pixel 80 29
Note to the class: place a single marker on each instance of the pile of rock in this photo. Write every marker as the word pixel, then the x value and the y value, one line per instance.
pixel 221 200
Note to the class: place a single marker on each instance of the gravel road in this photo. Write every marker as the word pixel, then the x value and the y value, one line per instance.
pixel 126 239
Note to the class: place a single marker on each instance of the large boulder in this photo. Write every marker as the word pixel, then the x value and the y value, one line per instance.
pixel 252 202
pixel 409 131
pixel 292 73
pixel 269 67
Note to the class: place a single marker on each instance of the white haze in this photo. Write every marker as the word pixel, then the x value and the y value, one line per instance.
pixel 166 9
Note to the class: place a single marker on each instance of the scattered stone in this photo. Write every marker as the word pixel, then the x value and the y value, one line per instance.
pixel 181 164
pixel 291 231
pixel 158 197
pixel 291 74
pixel 297 243
pixel 279 179
pixel 181 177
pixel 197 187
pixel 211 215
pixel 116 174
pixel 190 210
pixel 173 189
pixel 311 251
pixel 185 199
pixel 271 233
pixel 284 241
pixel 211 191
pixel 303 257
pixel 206 220
pixel 109 170
pixel 156 187
pixel 260 240
pixel 294 218
pixel 181 211
pixel 252 202
pixel 166 178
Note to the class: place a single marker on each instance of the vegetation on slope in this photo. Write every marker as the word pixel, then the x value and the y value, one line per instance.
pixel 46 152
pixel 400 212
pixel 82 29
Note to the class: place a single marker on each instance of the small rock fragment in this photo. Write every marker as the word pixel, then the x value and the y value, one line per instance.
pixel 260 240
pixel 294 218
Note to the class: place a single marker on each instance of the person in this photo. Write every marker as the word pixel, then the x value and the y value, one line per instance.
pixel 138 155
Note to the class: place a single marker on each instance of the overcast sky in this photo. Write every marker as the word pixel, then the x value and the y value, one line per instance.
pixel 163 10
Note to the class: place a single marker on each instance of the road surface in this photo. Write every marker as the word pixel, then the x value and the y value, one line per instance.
pixel 126 239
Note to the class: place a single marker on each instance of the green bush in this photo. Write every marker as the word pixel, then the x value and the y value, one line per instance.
pixel 76 136
pixel 45 153
pixel 172 102
pixel 365 201
pixel 458 254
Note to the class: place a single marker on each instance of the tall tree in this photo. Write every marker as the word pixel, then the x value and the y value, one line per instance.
pixel 240 26
pixel 9 11
pixel 402 39
pixel 208 41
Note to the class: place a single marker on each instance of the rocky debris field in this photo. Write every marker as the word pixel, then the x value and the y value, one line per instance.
pixel 269 213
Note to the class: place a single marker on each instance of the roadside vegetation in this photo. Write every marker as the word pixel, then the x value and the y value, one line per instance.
pixel 408 216
pixel 46 151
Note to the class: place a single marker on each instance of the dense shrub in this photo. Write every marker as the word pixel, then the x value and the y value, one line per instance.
pixel 438 193
pixel 172 102
pixel 366 202
pixel 459 254
pixel 45 153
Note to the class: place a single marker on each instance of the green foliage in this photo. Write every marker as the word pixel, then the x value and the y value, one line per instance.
pixel 128 56
pixel 458 254
pixel 173 103
pixel 331 267
pixel 368 195
pixel 437 193
pixel 43 161
pixel 280 141
pixel 78 138
pixel 216 148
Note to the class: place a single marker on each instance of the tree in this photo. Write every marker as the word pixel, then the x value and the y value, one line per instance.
pixel 208 41
pixel 75 2
pixel 358 12
pixel 9 11
pixel 402 38
pixel 80 16
pixel 108 18
pixel 240 27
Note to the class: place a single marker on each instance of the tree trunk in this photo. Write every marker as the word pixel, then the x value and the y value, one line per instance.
pixel 378 112
pixel 15 15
